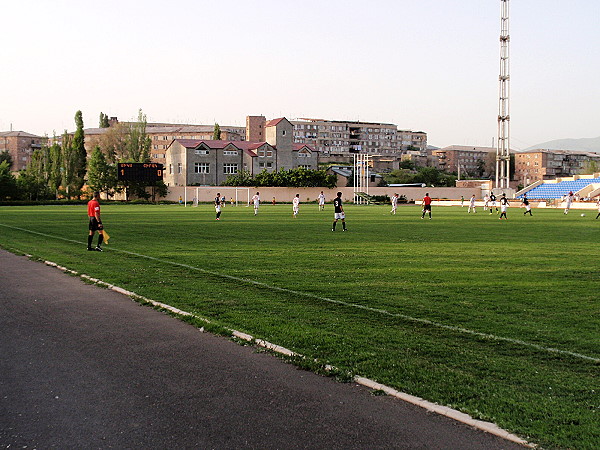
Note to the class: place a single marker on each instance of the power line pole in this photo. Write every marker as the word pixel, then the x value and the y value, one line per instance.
pixel 503 149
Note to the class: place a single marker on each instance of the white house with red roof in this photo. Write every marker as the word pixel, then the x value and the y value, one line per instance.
pixel 207 162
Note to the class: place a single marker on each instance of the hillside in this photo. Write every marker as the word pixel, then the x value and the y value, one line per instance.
pixel 585 145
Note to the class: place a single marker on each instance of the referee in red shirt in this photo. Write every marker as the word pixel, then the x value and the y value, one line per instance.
pixel 95 222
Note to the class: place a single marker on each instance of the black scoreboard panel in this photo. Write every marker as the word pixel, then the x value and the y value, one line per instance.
pixel 140 171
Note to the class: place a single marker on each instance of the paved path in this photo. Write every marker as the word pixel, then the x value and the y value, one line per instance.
pixel 85 367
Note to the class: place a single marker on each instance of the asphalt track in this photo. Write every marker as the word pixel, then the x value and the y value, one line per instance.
pixel 86 367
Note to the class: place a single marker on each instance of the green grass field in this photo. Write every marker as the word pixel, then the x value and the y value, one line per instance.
pixel 499 319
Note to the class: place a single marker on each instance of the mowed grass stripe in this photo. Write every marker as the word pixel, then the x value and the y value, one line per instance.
pixel 330 300
pixel 458 270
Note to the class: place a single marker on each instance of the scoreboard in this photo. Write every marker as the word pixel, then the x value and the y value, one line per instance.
pixel 140 172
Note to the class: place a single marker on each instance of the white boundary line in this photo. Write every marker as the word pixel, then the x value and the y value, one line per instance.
pixel 453 414
pixel 428 322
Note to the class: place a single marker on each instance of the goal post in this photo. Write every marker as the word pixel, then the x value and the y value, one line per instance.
pixel 196 194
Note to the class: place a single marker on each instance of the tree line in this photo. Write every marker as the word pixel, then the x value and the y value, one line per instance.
pixel 62 168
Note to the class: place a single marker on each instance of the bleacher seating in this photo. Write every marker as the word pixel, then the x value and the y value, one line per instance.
pixel 558 190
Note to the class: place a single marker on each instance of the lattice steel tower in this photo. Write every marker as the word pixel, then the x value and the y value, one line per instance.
pixel 503 150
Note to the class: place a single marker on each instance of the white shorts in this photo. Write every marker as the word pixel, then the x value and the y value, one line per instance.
pixel 256 204
pixel 528 207
pixel 493 204
pixel 217 208
pixel 338 216
pixel 296 209
pixel 503 208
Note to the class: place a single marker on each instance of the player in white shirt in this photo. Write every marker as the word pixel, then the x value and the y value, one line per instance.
pixel 570 198
pixel 394 204
pixel 256 201
pixel 486 202
pixel 472 205
pixel 321 201
pixel 296 205
pixel 598 205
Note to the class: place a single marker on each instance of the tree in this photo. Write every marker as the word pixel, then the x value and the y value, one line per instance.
pixel 5 156
pixel 138 142
pixel 114 143
pixel 56 168
pixel 590 167
pixel 79 154
pixel 68 163
pixel 217 132
pixel 102 176
pixel 103 121
pixel 8 183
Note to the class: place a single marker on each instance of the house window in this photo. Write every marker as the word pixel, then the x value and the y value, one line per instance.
pixel 283 132
pixel 230 152
pixel 261 153
pixel 179 167
pixel 170 169
pixel 269 153
pixel 201 168
pixel 201 152
pixel 304 166
pixel 230 169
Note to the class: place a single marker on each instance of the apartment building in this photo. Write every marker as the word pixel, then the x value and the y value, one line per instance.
pixel 20 145
pixel 209 162
pixel 344 137
pixel 468 159
pixel 540 164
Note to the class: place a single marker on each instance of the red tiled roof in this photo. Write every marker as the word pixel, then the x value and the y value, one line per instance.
pixel 296 147
pixel 245 146
pixel 274 122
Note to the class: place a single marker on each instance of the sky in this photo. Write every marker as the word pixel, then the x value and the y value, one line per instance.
pixel 426 65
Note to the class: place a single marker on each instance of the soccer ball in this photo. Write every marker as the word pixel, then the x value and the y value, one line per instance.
pixel 582 215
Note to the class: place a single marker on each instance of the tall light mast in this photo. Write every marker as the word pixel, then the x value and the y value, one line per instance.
pixel 503 149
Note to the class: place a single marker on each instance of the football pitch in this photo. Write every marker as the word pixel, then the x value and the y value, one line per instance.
pixel 499 319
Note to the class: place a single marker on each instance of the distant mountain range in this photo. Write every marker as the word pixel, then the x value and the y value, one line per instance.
pixel 575 145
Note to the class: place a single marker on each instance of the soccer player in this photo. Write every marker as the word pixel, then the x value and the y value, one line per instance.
pixel 462 201
pixel 493 202
pixel 321 201
pixel 426 204
pixel 503 206
pixel 598 205
pixel 526 205
pixel 256 201
pixel 472 205
pixel 339 212
pixel 296 205
pixel 218 206
pixel 95 222
pixel 394 204
pixel 569 201
pixel 486 202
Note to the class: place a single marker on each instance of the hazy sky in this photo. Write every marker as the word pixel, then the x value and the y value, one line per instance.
pixel 428 65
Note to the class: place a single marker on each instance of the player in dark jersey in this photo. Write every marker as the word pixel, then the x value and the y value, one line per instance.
pixel 503 206
pixel 526 205
pixel 218 205
pixel 339 212
pixel 493 202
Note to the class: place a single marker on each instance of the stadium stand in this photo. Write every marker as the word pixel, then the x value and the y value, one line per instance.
pixel 551 190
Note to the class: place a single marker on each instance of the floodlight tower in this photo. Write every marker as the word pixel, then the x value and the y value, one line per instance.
pixel 503 149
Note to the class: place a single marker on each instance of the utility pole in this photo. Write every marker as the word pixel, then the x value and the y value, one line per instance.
pixel 503 149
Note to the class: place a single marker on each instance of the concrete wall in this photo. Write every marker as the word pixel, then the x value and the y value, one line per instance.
pixel 207 193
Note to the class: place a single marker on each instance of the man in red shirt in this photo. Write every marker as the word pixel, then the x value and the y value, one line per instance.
pixel 95 222
pixel 426 203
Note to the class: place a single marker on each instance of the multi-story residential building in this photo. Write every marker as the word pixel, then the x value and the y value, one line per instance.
pixel 209 162
pixel 537 165
pixel 344 137
pixel 20 145
pixel 467 159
